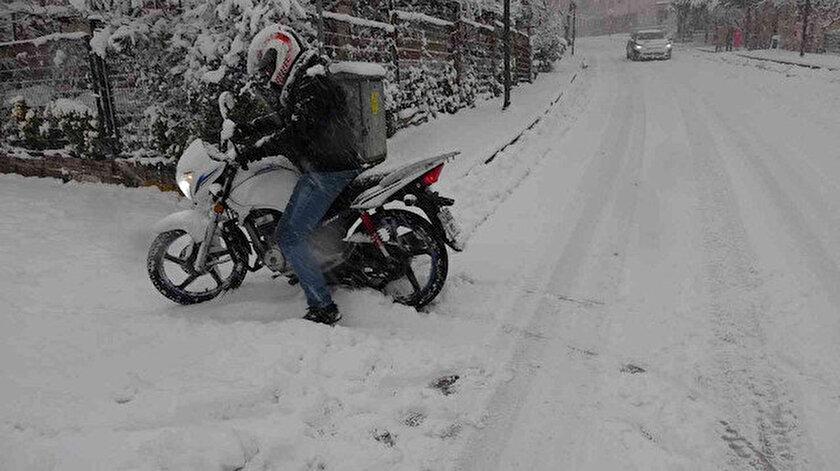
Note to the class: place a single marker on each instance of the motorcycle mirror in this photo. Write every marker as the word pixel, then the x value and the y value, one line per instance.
pixel 225 103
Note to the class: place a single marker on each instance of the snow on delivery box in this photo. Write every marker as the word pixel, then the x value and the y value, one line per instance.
pixel 362 83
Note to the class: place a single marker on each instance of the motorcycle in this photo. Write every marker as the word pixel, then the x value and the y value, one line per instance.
pixel 386 231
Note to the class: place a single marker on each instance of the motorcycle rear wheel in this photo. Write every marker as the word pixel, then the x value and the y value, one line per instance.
pixel 418 256
pixel 173 274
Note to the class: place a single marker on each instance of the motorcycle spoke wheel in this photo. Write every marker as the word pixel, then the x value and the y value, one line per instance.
pixel 175 276
pixel 412 278
pixel 184 284
pixel 217 277
pixel 418 258
pixel 174 259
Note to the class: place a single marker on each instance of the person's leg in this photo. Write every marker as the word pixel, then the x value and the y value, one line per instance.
pixel 310 201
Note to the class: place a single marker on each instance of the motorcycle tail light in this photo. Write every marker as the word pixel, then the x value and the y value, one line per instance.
pixel 433 175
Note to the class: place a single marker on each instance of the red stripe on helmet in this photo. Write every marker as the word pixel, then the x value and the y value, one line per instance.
pixel 283 37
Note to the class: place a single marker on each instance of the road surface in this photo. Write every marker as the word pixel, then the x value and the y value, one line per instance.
pixel 685 314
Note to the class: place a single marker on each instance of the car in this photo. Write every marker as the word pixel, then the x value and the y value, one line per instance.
pixel 649 44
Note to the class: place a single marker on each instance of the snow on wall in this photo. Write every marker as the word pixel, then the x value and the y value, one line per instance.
pixel 64 106
pixel 41 40
pixel 414 16
pixel 476 24
pixel 359 21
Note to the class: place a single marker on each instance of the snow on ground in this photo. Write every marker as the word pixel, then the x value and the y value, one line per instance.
pixel 687 316
pixel 100 372
pixel 826 61
pixel 650 283
pixel 806 95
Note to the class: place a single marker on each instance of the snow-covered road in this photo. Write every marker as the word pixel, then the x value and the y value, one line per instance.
pixel 651 282
pixel 688 317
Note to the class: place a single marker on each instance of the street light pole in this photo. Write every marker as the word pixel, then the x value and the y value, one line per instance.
pixel 507 55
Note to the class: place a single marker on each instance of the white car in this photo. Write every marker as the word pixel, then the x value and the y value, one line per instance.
pixel 649 44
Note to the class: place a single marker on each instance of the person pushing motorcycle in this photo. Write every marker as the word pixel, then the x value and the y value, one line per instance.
pixel 308 124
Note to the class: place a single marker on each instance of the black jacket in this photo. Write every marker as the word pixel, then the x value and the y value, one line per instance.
pixel 309 124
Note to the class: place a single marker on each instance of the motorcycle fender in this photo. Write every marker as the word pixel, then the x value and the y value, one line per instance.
pixel 431 204
pixel 192 221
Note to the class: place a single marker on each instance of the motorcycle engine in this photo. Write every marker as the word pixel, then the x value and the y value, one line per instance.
pixel 262 225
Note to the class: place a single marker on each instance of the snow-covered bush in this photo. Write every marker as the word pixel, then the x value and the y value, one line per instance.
pixel 425 92
pixel 546 26
pixel 24 125
pixel 74 123
pixel 61 121
pixel 184 58
pixel 179 58
pixel 167 135
pixel 548 49
pixel 392 91
pixel 468 88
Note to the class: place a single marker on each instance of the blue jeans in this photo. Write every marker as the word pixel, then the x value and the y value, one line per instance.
pixel 311 199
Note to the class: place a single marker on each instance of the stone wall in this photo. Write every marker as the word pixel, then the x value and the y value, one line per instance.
pixel 116 171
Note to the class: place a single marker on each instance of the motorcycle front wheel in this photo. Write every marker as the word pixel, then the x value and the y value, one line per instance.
pixel 418 262
pixel 171 264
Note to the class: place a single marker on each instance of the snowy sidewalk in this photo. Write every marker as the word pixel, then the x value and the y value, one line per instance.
pixel 829 62
pixel 481 131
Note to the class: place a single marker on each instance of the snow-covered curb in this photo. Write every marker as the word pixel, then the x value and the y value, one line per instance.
pixel 801 62
pixel 826 61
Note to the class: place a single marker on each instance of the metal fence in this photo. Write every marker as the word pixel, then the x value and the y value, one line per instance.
pixel 61 65
pixel 43 71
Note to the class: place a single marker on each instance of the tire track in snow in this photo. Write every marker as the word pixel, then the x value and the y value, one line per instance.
pixel 477 191
pixel 814 251
pixel 764 431
pixel 607 182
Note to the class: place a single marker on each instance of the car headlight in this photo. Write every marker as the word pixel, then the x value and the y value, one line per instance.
pixel 185 184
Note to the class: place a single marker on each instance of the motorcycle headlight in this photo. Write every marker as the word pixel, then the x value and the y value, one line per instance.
pixel 668 46
pixel 185 184
pixel 637 46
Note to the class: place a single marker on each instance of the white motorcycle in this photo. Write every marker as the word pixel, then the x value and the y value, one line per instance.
pixel 385 231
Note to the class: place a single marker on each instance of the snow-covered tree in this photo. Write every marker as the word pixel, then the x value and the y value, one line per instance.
pixel 692 14
pixel 824 12
pixel 545 23
pixel 180 56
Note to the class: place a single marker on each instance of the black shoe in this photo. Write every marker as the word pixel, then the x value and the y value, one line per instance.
pixel 328 315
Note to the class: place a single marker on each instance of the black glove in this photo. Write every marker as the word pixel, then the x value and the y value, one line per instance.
pixel 240 134
pixel 243 151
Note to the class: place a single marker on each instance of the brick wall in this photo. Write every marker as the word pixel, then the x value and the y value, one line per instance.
pixel 405 40
pixel 92 171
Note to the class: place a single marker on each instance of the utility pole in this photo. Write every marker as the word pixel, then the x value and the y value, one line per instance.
pixel 507 55
pixel 573 7
pixel 319 6
pixel 567 28
pixel 805 15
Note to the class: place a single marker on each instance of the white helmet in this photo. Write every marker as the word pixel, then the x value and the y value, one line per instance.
pixel 274 51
